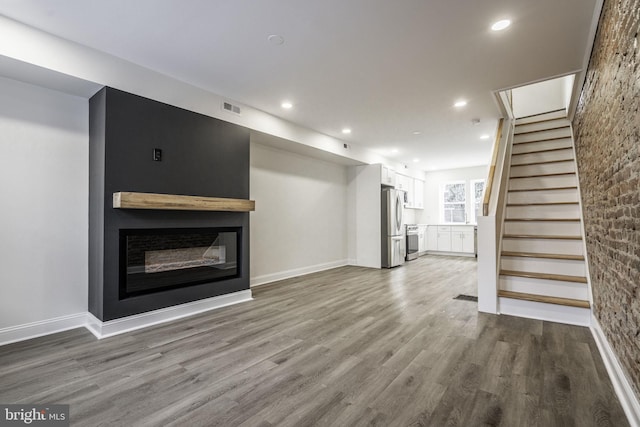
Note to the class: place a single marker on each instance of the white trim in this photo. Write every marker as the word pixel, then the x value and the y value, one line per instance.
pixel 287 274
pixel 486 271
pixel 581 74
pixel 43 327
pixel 119 326
pixel 544 311
pixel 621 384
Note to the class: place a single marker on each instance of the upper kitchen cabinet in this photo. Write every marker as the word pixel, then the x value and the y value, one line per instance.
pixel 387 176
pixel 418 194
pixel 414 188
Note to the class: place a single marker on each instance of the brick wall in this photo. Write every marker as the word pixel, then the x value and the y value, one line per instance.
pixel 607 131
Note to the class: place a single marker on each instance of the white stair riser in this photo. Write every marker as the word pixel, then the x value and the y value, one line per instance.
pixel 543 211
pixel 543 182
pixel 570 195
pixel 542 311
pixel 537 228
pixel 552 288
pixel 543 265
pixel 553 115
pixel 552 246
pixel 547 156
pixel 545 134
pixel 547 168
pixel 542 145
pixel 548 124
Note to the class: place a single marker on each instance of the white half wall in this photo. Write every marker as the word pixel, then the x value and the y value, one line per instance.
pixel 44 163
pixel 300 222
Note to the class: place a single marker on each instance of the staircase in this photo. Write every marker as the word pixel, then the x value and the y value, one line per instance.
pixel 542 266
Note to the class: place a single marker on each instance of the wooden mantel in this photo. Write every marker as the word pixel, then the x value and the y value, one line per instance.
pixel 130 200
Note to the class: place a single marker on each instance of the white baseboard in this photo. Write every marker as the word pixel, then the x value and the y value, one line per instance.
pixel 441 253
pixel 621 385
pixel 287 274
pixel 41 328
pixel 543 311
pixel 119 326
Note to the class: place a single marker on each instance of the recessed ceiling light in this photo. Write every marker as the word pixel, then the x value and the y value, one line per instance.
pixel 394 151
pixel 416 160
pixel 501 25
pixel 286 105
pixel 460 103
pixel 346 130
pixel 485 136
pixel 276 39
pixel 417 132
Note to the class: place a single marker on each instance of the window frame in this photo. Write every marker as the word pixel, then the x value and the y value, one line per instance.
pixel 443 203
pixel 476 206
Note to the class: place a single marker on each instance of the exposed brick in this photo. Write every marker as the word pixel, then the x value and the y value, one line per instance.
pixel 607 132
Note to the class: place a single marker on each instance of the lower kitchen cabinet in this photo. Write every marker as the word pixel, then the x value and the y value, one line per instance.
pixel 462 239
pixel 451 238
pixel 422 239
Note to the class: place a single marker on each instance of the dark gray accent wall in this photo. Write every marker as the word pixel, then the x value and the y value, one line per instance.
pixel 201 156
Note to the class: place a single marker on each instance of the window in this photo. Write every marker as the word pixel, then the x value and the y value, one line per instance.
pixel 454 202
pixel 477 187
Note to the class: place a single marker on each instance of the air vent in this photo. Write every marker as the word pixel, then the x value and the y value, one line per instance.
pixel 227 106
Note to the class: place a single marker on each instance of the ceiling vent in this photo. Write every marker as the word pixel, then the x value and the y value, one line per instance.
pixel 227 106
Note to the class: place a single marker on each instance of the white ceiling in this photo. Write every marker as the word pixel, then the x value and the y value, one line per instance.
pixel 383 68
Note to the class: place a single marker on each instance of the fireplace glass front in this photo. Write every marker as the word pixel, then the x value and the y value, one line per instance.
pixel 153 260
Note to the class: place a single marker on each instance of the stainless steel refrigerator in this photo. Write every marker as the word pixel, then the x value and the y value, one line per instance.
pixel 393 235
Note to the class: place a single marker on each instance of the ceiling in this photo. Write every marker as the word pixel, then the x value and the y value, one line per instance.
pixel 385 69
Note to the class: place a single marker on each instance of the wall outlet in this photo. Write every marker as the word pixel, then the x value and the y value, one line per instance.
pixel 157 155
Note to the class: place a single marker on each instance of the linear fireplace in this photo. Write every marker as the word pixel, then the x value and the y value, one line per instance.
pixel 153 260
pixel 164 232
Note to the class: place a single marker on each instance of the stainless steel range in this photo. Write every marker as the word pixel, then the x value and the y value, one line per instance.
pixel 412 241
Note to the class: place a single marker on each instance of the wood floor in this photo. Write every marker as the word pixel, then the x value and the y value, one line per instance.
pixel 351 346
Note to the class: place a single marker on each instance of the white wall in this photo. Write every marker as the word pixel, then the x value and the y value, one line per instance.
pixel 300 221
pixel 434 180
pixel 32 46
pixel 44 191
pixel 541 97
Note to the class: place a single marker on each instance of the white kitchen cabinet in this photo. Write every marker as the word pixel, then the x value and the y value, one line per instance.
pixel 422 238
pixel 432 237
pixel 402 182
pixel 418 194
pixel 414 188
pixel 444 238
pixel 387 176
pixel 451 238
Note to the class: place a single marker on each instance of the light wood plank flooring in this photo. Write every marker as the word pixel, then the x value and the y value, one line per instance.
pixel 346 347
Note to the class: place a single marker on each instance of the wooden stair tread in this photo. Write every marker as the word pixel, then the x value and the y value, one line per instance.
pixel 537 236
pixel 543 255
pixel 546 162
pixel 545 299
pixel 543 219
pixel 542 203
pixel 539 130
pixel 548 150
pixel 539 121
pixel 541 114
pixel 544 276
pixel 545 189
pixel 541 140
pixel 543 174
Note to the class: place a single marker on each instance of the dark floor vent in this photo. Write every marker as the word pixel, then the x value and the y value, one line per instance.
pixel 466 298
